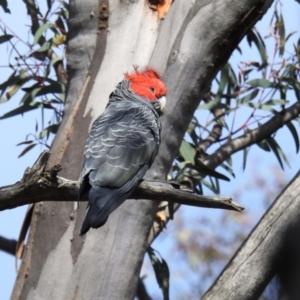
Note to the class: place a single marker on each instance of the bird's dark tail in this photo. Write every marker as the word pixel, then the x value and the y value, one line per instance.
pixel 102 202
pixel 97 211
pixel 85 224
pixel 88 216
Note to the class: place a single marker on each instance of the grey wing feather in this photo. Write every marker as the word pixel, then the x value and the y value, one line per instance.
pixel 121 146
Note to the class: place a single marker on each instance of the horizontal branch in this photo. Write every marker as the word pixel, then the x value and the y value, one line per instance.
pixel 254 136
pixel 39 185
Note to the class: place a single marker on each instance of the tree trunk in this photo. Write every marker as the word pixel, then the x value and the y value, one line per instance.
pixel 187 48
pixel 272 248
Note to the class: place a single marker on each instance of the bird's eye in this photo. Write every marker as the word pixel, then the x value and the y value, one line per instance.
pixel 152 89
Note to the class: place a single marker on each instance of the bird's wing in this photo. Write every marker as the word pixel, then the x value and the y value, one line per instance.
pixel 120 143
pixel 104 200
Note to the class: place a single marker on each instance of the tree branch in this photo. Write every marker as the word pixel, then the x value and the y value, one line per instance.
pixel 272 246
pixel 39 185
pixel 215 133
pixel 253 136
pixel 237 144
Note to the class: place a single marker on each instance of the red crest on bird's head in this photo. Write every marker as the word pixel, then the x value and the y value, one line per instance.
pixel 147 84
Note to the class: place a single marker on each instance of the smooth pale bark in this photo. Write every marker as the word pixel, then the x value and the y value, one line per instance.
pixel 272 244
pixel 187 48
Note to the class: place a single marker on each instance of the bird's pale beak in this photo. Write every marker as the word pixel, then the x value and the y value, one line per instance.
pixel 162 101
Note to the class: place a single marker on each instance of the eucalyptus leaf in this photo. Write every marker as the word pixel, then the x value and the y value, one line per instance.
pixel 4 5
pixel 54 61
pixel 268 105
pixel 41 31
pixel 32 8
pixel 229 161
pixel 277 151
pixel 45 47
pixel 264 145
pixel 293 82
pixel 28 148
pixel 20 110
pixel 25 143
pixel 209 185
pixel 224 78
pixel 30 95
pixel 161 271
pixel 187 151
pixel 261 82
pixel 281 35
pixel 12 79
pixel 248 97
pixel 294 133
pixel 60 24
pixel 5 38
pixel 245 156
pixel 49 4
pixel 253 36
pixel 228 169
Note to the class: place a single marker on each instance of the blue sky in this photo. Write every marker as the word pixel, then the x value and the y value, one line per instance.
pixel 14 130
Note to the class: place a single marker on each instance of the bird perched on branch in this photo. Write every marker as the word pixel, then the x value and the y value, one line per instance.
pixel 121 145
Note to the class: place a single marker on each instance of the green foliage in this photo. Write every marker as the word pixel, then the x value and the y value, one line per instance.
pixel 259 90
pixel 3 4
pixel 5 38
pixel 38 72
pixel 253 36
pixel 161 271
pixel 187 152
pixel 294 133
